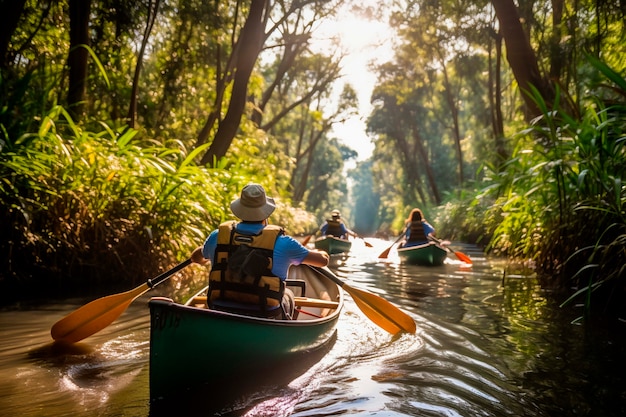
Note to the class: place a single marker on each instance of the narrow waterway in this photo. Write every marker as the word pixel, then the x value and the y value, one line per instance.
pixel 487 344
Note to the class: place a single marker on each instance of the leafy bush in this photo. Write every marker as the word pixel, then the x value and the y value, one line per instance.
pixel 95 206
pixel 560 200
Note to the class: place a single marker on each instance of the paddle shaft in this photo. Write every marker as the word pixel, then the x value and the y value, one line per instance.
pixel 460 255
pixel 366 243
pixel 377 309
pixel 98 314
pixel 385 253
pixel 153 282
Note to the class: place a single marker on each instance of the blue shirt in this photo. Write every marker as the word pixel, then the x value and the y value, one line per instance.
pixel 287 250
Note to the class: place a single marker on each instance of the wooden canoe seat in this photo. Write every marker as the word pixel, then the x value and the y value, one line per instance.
pixel 200 300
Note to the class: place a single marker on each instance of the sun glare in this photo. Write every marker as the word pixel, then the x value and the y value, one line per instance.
pixel 363 42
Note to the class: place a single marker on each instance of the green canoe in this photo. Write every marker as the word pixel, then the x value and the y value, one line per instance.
pixel 428 254
pixel 333 245
pixel 191 346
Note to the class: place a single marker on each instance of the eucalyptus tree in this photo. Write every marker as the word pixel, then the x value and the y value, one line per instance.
pixel 431 104
pixel 295 106
pixel 263 21
pixel 78 53
pixel 309 153
pixel 395 120
pixel 545 42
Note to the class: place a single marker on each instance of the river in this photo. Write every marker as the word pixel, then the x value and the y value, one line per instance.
pixel 489 342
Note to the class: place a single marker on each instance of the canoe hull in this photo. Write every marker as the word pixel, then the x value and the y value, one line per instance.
pixel 192 346
pixel 333 245
pixel 429 254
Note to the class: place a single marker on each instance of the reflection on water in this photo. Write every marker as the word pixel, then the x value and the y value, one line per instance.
pixel 487 344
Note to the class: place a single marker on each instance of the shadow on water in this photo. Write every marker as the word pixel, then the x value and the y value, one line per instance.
pixel 237 395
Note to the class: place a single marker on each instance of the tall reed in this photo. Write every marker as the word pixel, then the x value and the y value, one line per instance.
pixel 561 198
pixel 95 206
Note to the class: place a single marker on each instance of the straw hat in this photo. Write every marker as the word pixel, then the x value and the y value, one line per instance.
pixel 335 213
pixel 253 205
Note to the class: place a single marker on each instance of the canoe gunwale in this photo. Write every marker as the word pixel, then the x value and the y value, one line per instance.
pixel 224 315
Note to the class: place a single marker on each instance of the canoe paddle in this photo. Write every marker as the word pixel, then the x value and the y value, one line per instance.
pixel 366 243
pixel 306 240
pixel 460 255
pixel 385 253
pixel 98 314
pixel 380 311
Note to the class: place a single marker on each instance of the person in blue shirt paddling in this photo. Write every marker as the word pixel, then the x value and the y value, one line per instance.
pixel 336 227
pixel 417 229
pixel 250 259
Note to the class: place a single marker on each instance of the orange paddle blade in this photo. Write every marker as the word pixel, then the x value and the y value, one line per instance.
pixel 306 240
pixel 463 257
pixel 98 314
pixel 385 253
pixel 94 316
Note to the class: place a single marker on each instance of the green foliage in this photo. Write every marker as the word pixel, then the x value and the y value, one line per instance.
pixel 87 203
pixel 560 200
pixel 464 218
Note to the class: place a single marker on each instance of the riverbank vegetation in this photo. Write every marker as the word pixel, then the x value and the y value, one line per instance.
pixel 523 107
pixel 128 127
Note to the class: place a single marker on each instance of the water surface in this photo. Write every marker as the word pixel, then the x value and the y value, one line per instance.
pixel 487 344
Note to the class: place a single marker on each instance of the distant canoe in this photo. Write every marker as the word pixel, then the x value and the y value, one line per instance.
pixel 192 346
pixel 333 245
pixel 428 254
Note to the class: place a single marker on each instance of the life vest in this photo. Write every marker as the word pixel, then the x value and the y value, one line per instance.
pixel 251 280
pixel 334 227
pixel 417 233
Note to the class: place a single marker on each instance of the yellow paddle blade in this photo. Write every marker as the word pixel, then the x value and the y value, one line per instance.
pixel 94 316
pixel 377 309
pixel 381 312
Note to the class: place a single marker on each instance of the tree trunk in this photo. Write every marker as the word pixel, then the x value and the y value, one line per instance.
pixel 78 56
pixel 9 18
pixel 151 18
pixel 556 54
pixel 250 44
pixel 410 164
pixel 419 144
pixel 521 56
pixel 452 99
pixel 294 44
pixel 495 101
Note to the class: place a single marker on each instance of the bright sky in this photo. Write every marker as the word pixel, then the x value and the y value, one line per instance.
pixel 363 41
